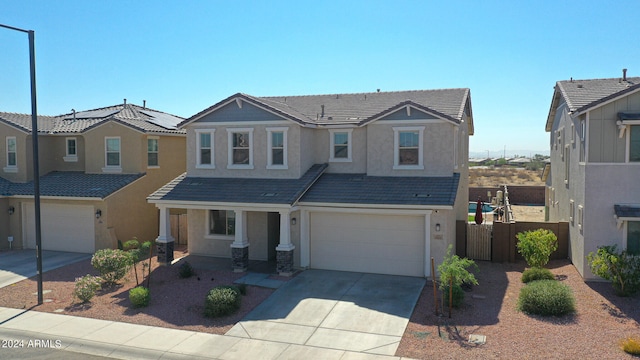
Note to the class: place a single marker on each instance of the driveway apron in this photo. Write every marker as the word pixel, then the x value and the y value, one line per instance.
pixel 336 310
pixel 17 265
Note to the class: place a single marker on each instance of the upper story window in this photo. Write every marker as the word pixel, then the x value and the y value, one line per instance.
pixel 408 149
pixel 152 152
pixel 112 154
pixel 12 160
pixel 204 149
pixel 71 149
pixel 277 148
pixel 340 145
pixel 633 237
pixel 222 222
pixel 240 149
pixel 634 143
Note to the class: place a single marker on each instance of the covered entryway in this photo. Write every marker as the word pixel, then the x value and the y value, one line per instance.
pixel 370 243
pixel 64 227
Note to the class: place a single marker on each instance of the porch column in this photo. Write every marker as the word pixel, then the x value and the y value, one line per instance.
pixel 305 251
pixel 164 241
pixel 240 245
pixel 427 244
pixel 284 250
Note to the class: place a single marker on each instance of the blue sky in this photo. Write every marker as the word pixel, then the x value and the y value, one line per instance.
pixel 183 56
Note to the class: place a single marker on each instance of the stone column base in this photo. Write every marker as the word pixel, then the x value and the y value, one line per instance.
pixel 285 262
pixel 165 252
pixel 240 258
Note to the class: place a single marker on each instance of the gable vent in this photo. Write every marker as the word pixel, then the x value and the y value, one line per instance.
pixel 269 194
pixel 422 195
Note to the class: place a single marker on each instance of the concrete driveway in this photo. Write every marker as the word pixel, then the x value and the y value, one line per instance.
pixel 17 265
pixel 337 310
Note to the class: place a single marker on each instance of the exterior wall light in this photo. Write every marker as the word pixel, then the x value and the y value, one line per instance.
pixel 11 210
pixel 293 221
pixel 98 213
pixel 438 227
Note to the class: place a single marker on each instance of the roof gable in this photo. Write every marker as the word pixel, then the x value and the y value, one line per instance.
pixel 238 111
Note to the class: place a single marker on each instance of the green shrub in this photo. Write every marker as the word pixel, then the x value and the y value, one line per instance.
pixel 546 297
pixel 535 273
pixel 454 269
pixel 112 264
pixel 86 287
pixel 185 270
pixel 222 300
pixel 139 296
pixel 622 269
pixel 457 295
pixel 631 346
pixel 536 246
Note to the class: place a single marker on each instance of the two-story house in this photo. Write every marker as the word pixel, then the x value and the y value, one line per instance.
pixel 595 164
pixel 96 169
pixel 369 182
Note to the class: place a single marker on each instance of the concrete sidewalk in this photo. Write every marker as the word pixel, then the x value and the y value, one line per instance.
pixel 130 341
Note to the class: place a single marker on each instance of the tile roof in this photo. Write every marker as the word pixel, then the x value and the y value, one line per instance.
pixel 627 210
pixel 140 118
pixel 383 190
pixel 74 184
pixel 356 108
pixel 4 187
pixel 584 94
pixel 238 190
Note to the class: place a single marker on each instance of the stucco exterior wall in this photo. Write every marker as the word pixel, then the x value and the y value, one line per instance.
pixel 358 163
pixel 23 154
pixel 131 140
pixel 4 223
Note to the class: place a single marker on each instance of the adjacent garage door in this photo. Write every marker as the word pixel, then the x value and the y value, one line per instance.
pixel 64 227
pixel 382 244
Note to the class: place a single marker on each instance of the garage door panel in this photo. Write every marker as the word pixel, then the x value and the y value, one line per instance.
pixel 63 227
pixel 367 243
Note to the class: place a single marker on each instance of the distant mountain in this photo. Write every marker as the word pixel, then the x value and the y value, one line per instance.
pixel 508 153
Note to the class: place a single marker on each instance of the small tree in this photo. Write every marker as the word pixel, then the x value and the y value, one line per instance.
pixel 139 252
pixel 621 268
pixel 536 246
pixel 453 271
pixel 112 264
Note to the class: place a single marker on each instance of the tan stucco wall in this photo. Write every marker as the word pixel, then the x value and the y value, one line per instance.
pixel 4 223
pixel 131 160
pixel 53 149
pixel 23 154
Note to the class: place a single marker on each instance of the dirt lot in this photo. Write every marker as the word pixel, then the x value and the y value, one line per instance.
pixel 482 176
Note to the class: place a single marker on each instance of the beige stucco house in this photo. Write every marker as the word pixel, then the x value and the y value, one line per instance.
pixel 96 169
pixel 369 182
pixel 592 180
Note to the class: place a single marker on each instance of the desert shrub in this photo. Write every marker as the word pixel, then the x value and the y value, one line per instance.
pixel 457 295
pixel 185 270
pixel 86 287
pixel 453 269
pixel 534 274
pixel 536 246
pixel 547 298
pixel 139 296
pixel 621 268
pixel 222 300
pixel 631 346
pixel 112 264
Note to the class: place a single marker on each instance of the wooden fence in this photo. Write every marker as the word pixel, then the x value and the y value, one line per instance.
pixel 479 241
pixel 503 240
pixel 179 228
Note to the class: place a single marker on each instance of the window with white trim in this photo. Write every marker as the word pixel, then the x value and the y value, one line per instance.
pixel 277 148
pixel 567 166
pixel 407 147
pixel 583 137
pixel 633 237
pixel 455 147
pixel 112 152
pixel 580 211
pixel 12 153
pixel 222 222
pixel 204 149
pixel 71 149
pixel 572 211
pixel 634 143
pixel 152 152
pixel 340 145
pixel 240 150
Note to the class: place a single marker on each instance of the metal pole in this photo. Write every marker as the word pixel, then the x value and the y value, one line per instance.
pixel 36 165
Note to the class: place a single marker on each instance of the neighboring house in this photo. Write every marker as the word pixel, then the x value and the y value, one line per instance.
pixel 370 182
pixel 96 169
pixel 592 181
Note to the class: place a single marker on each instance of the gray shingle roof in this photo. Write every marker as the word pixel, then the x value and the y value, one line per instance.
pixel 4 187
pixel 239 190
pixel 74 184
pixel 583 94
pixel 627 210
pixel 143 119
pixel 383 190
pixel 355 108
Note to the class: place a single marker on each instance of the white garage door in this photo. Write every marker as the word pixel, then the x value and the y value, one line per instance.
pixel 381 244
pixel 63 227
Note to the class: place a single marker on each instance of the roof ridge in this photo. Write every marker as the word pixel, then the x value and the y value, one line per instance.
pixel 600 79
pixel 357 93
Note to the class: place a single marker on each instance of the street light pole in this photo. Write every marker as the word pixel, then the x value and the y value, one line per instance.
pixel 36 164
